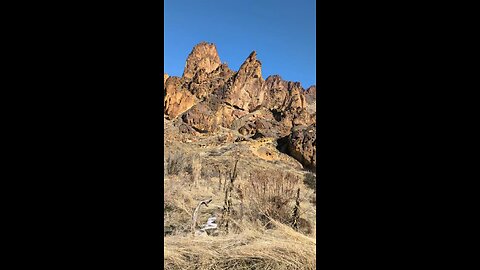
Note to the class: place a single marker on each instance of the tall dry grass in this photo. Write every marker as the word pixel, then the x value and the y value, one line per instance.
pixel 253 248
pixel 261 235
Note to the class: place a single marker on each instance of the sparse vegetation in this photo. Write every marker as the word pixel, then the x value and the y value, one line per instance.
pixel 255 247
pixel 177 163
pixel 269 206
pixel 268 216
pixel 310 180
pixel 238 193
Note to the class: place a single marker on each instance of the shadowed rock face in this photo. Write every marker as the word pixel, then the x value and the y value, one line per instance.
pixel 311 94
pixel 311 97
pixel 202 118
pixel 210 95
pixel 302 146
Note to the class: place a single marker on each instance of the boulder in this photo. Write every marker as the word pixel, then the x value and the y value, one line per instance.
pixel 301 145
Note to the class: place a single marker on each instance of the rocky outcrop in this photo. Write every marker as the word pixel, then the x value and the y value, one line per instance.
pixel 201 117
pixel 311 94
pixel 204 56
pixel 177 100
pixel 210 95
pixel 311 97
pixel 203 83
pixel 301 145
pixel 283 95
pixel 246 90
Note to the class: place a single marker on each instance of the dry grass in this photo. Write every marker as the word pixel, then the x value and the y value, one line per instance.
pixel 261 236
pixel 254 248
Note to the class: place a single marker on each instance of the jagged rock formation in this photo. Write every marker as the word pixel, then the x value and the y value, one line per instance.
pixel 311 97
pixel 210 95
pixel 204 56
pixel 246 91
pixel 311 94
pixel 177 99
pixel 302 145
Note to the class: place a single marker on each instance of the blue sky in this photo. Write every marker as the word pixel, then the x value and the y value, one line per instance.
pixel 282 32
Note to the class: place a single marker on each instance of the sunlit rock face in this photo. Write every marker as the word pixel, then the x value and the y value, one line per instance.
pixel 210 96
pixel 204 56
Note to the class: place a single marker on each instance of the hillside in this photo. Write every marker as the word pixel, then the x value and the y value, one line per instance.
pixel 246 145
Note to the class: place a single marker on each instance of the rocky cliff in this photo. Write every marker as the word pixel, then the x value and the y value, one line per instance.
pixel 210 97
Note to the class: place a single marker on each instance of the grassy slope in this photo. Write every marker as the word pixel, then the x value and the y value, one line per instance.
pixel 263 186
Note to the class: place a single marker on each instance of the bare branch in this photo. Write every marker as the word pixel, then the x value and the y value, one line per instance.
pixel 195 213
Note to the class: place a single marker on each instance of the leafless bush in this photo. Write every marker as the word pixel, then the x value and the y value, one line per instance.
pixel 310 180
pixel 177 163
pixel 274 196
pixel 241 196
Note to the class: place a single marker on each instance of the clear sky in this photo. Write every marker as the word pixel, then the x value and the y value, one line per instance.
pixel 283 32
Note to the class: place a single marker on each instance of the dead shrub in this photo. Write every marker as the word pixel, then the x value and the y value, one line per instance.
pixel 177 163
pixel 271 196
pixel 310 180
